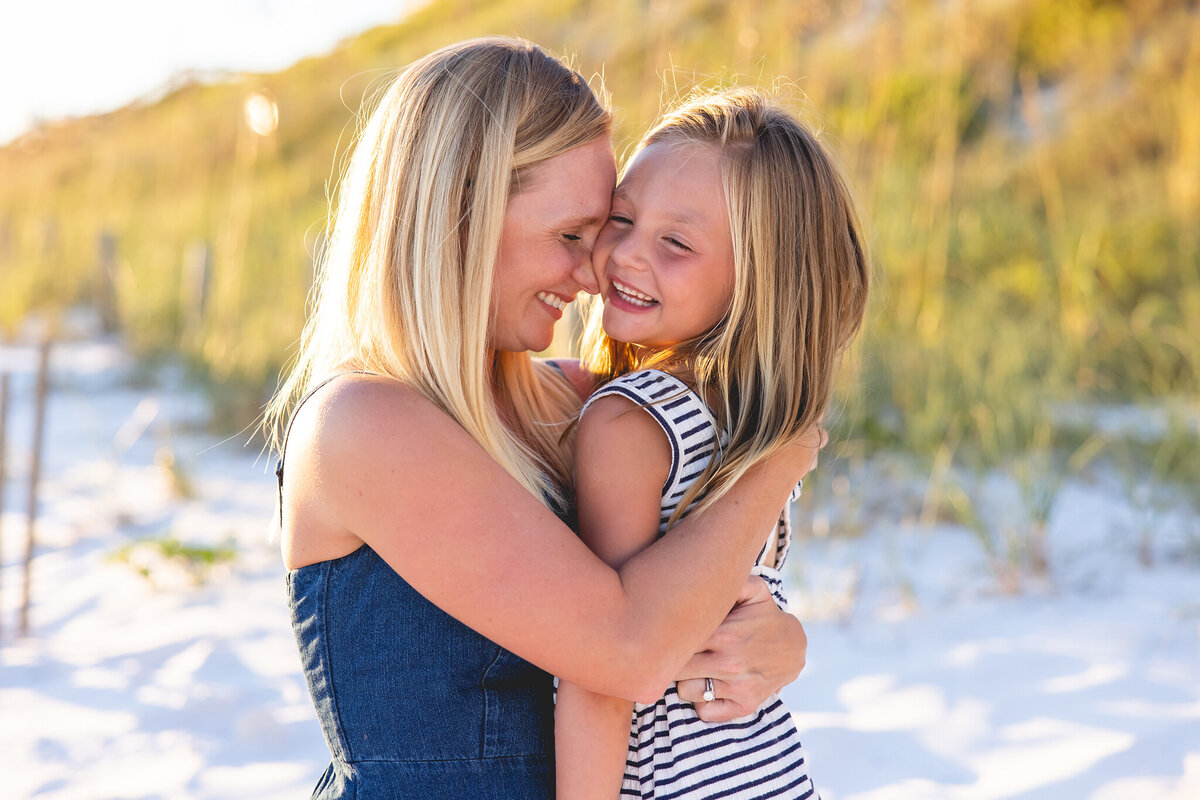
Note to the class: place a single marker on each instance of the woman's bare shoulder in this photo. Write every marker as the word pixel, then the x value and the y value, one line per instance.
pixel 349 407
pixel 348 440
pixel 374 420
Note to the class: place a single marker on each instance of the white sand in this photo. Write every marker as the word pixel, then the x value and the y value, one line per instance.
pixel 923 680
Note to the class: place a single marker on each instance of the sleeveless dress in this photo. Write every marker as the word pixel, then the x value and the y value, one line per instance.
pixel 673 754
pixel 412 703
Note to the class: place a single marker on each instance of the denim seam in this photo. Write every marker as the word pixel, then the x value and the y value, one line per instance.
pixel 343 739
pixel 487 703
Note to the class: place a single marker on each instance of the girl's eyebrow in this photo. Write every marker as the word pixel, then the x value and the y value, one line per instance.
pixel 686 217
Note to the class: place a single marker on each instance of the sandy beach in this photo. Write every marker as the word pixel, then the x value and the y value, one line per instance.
pixel 151 676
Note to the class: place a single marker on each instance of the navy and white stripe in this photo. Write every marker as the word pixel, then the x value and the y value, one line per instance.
pixel 673 754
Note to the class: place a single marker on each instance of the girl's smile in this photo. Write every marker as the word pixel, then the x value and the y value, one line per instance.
pixel 624 295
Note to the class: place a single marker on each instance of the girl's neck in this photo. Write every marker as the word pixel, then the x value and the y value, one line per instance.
pixel 668 362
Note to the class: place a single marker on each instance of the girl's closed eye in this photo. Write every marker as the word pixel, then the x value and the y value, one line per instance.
pixel 678 244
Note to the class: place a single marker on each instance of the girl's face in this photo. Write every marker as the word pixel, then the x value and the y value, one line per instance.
pixel 664 259
pixel 545 246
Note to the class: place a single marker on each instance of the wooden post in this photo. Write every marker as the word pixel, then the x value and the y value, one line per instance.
pixel 3 476
pixel 35 469
pixel 6 238
pixel 106 290
pixel 193 290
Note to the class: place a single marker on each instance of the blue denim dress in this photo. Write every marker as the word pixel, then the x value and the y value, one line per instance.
pixel 413 703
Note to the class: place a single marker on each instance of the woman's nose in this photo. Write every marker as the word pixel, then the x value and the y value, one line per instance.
pixel 585 275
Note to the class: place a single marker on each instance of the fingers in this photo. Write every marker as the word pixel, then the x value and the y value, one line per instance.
pixel 814 440
pixel 722 654
pixel 692 690
pixel 741 693
pixel 723 709
pixel 716 664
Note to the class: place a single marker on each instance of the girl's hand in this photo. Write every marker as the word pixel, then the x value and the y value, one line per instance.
pixel 813 441
pixel 754 653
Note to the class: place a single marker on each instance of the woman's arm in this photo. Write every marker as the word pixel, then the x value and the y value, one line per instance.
pixel 622 459
pixel 375 462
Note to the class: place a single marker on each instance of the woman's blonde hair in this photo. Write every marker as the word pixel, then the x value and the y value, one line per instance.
pixel 404 288
pixel 801 274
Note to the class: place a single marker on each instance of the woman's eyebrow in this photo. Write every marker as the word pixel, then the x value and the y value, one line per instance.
pixel 583 221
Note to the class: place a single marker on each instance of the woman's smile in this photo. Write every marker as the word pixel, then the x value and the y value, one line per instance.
pixel 546 244
pixel 553 301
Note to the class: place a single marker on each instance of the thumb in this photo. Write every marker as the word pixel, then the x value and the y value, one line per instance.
pixel 754 590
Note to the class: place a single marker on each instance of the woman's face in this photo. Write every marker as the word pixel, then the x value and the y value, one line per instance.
pixel 550 227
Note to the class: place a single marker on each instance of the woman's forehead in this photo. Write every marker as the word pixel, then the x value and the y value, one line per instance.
pixel 575 186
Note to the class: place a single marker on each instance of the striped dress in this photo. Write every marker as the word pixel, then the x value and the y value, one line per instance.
pixel 673 754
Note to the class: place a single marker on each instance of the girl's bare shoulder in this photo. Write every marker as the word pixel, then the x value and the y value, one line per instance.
pixel 616 433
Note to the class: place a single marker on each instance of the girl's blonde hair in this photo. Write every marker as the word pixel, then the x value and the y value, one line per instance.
pixel 404 288
pixel 801 274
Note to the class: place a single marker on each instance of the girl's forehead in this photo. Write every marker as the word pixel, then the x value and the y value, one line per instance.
pixel 663 158
pixel 676 183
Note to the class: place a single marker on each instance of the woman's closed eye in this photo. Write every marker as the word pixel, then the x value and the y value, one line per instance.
pixel 620 219
pixel 579 240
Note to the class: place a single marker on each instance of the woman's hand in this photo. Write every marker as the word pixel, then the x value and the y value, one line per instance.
pixel 754 653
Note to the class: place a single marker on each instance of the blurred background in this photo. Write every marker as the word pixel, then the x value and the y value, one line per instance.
pixel 1030 174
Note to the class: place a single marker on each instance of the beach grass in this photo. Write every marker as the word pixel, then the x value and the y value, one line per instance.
pixel 1029 171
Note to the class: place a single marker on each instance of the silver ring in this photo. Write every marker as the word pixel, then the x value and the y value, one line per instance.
pixel 709 694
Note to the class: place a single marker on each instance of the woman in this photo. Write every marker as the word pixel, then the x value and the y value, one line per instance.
pixel 428 573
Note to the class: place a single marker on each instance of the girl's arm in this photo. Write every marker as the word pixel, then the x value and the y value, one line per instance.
pixel 371 460
pixel 622 459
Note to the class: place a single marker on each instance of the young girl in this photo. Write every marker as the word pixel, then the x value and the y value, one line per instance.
pixel 733 274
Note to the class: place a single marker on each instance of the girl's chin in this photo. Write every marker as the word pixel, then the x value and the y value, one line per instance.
pixel 620 327
pixel 638 338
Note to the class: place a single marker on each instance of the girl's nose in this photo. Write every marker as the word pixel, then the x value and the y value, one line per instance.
pixel 628 253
